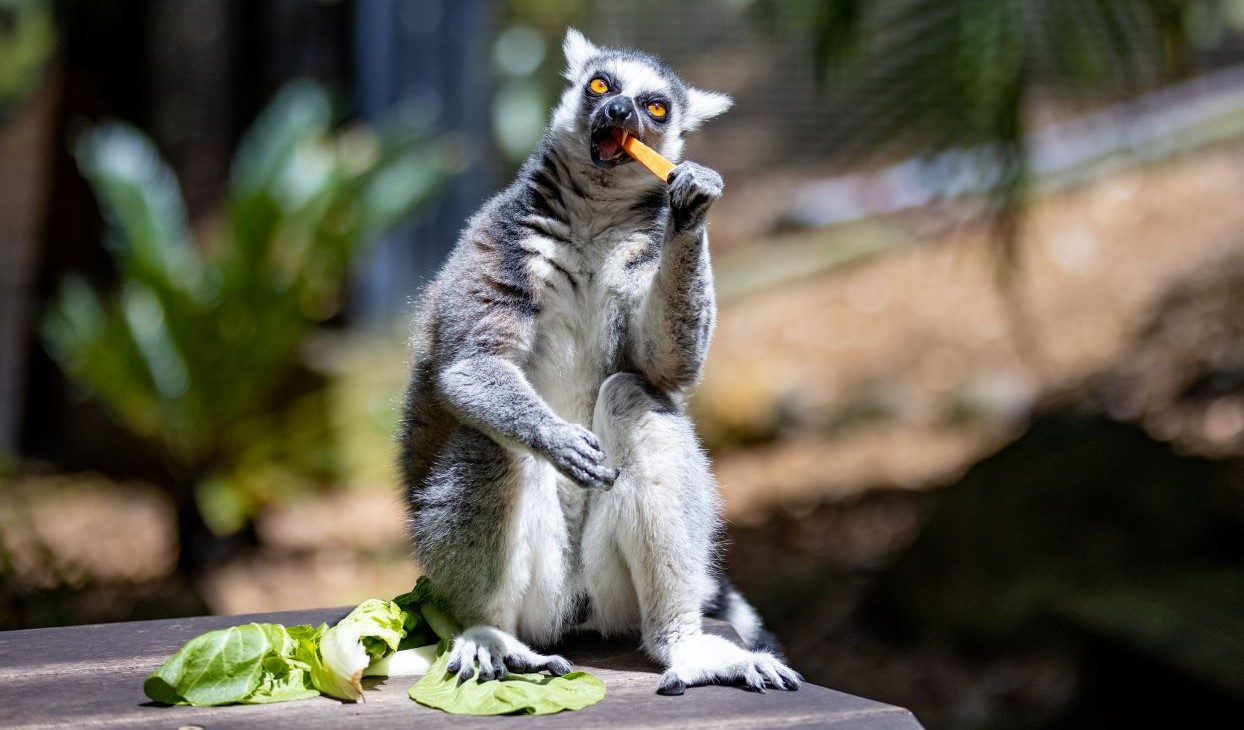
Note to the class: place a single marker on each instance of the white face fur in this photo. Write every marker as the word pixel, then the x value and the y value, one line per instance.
pixel 647 98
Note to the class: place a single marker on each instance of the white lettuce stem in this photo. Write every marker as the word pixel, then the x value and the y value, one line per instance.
pixel 404 663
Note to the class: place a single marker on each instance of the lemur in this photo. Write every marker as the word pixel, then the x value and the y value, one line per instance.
pixel 555 482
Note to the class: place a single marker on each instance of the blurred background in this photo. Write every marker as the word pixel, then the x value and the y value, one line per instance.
pixel 976 397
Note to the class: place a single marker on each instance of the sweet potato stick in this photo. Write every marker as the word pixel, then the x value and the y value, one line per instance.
pixel 644 155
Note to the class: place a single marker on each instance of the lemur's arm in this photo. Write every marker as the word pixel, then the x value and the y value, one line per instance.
pixel 676 319
pixel 491 394
pixel 486 326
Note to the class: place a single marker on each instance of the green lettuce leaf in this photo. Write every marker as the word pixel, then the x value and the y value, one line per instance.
pixel 370 631
pixel 418 632
pixel 307 647
pixel 258 663
pixel 526 694
pixel 251 664
pixel 379 624
pixel 424 619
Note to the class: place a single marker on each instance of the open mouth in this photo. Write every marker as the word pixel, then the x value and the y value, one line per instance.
pixel 606 152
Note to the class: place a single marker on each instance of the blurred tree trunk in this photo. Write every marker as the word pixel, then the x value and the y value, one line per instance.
pixel 24 144
pixel 192 54
pixel 213 64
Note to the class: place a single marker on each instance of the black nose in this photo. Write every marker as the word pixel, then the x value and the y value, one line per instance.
pixel 619 110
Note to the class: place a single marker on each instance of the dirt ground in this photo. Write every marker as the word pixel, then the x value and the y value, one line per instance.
pixel 902 370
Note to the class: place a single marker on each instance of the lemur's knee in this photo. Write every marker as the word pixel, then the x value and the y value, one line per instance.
pixel 625 396
pixel 624 401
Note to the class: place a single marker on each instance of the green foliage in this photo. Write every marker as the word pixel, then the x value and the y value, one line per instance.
pixel 933 75
pixel 27 42
pixel 198 349
pixel 527 64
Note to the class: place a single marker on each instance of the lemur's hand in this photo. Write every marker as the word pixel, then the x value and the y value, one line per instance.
pixel 693 188
pixel 576 453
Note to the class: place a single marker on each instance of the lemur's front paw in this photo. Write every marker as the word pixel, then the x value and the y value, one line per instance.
pixel 576 452
pixel 497 654
pixel 693 188
pixel 707 659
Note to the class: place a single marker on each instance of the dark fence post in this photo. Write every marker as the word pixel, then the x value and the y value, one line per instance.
pixel 433 53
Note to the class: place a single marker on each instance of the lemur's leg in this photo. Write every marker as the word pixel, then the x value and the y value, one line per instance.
pixel 504 581
pixel 663 509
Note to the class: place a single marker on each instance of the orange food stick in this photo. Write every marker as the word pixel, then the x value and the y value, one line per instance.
pixel 644 155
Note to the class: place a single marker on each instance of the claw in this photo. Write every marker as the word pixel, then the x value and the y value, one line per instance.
pixel 558 666
pixel 772 678
pixel 791 678
pixel 707 659
pixel 516 664
pixel 485 664
pixel 671 685
pixel 753 681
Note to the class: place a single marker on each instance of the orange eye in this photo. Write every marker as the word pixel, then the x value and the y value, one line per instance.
pixel 656 109
pixel 598 85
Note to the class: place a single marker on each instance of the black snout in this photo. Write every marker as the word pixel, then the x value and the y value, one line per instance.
pixel 619 110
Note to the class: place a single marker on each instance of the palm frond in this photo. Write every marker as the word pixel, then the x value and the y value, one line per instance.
pixel 926 76
pixel 300 110
pixel 141 201
pixel 199 347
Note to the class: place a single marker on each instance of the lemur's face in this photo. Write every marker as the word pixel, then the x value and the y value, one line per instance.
pixel 631 91
pixel 630 98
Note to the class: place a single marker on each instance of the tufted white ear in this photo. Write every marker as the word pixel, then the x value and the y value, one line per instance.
pixel 579 50
pixel 704 105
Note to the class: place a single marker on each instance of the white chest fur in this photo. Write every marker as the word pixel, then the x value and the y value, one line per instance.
pixel 589 296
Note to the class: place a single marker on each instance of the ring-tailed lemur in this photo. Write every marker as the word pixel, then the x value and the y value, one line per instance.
pixel 579 298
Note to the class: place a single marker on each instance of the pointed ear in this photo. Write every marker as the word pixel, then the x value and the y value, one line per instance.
pixel 578 50
pixel 703 106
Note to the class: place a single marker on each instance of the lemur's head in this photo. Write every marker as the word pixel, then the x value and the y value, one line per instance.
pixel 629 90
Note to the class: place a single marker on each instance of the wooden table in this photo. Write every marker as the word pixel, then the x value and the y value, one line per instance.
pixel 92 676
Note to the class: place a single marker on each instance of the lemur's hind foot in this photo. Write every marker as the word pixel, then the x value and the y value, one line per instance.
pixel 707 659
pixel 498 654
